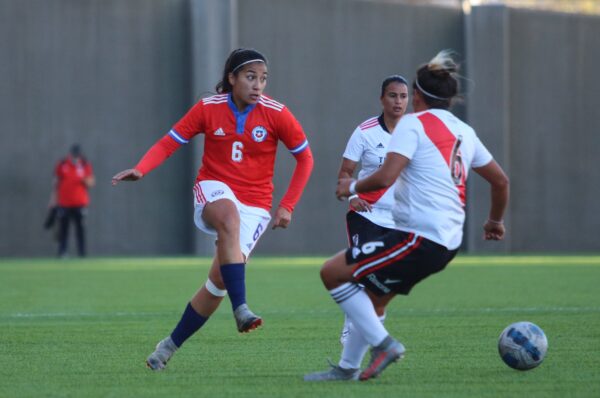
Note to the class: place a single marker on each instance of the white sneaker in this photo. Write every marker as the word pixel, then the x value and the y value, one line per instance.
pixel 245 319
pixel 335 373
pixel 164 351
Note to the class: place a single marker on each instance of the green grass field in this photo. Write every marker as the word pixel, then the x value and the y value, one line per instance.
pixel 84 328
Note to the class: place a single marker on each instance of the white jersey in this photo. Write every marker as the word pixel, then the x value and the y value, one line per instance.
pixel 430 192
pixel 368 145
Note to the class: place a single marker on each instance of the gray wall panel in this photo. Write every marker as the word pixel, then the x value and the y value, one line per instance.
pixel 487 102
pixel 111 75
pixel 533 106
pixel 327 61
pixel 115 75
pixel 553 135
pixel 213 35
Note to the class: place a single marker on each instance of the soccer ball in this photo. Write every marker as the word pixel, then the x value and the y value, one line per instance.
pixel 522 345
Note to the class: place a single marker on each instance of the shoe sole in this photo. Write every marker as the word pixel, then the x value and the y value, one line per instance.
pixel 377 367
pixel 158 368
pixel 255 324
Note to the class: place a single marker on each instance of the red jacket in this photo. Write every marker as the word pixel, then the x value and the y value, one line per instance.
pixel 71 190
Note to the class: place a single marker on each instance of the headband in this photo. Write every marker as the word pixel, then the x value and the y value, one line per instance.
pixel 396 78
pixel 428 93
pixel 247 62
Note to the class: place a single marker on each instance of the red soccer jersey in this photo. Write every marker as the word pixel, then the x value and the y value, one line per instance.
pixel 71 190
pixel 240 147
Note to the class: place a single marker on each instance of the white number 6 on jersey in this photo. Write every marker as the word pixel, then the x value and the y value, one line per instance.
pixel 370 247
pixel 236 151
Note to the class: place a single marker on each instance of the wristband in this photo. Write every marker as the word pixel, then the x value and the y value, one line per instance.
pixel 352 197
pixel 352 187
pixel 495 222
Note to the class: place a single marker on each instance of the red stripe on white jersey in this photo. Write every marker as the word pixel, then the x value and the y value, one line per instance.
pixel 367 124
pixel 446 142
pixel 373 196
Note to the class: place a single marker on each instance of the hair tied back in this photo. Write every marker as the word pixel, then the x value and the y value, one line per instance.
pixel 443 62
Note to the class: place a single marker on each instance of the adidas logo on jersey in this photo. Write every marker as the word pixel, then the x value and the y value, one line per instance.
pixel 380 145
pixel 219 131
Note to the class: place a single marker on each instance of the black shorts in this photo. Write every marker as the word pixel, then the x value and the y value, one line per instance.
pixel 396 261
pixel 360 229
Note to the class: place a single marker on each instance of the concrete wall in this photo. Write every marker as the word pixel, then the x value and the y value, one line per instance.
pixel 111 75
pixel 327 61
pixel 534 103
pixel 114 76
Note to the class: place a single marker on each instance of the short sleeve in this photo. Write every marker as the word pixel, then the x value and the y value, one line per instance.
pixel 405 137
pixel 88 169
pixel 481 155
pixel 58 170
pixel 191 124
pixel 355 146
pixel 290 132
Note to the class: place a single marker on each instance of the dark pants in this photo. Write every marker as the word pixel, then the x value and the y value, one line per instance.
pixel 65 215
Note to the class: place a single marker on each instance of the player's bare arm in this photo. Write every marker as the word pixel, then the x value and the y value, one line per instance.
pixel 347 168
pixel 382 178
pixel 127 175
pixel 347 171
pixel 500 188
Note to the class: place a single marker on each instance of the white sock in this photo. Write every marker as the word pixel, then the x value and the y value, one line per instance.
pixel 359 308
pixel 355 346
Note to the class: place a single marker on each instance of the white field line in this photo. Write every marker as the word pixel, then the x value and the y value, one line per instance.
pixel 202 263
pixel 409 311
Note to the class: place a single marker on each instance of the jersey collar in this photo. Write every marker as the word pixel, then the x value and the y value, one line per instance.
pixel 382 123
pixel 240 117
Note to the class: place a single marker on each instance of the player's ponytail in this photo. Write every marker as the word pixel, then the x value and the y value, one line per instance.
pixel 438 80
pixel 234 63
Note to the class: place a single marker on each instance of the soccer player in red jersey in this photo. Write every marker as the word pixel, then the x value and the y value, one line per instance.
pixel 233 189
pixel 73 177
pixel 429 157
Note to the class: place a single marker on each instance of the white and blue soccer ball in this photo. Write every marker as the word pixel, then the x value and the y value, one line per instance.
pixel 522 345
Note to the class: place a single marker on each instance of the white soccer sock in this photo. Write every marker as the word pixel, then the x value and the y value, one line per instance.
pixel 359 308
pixel 355 347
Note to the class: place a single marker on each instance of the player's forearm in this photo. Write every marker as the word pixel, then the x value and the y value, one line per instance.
pixel 344 174
pixel 385 176
pixel 346 169
pixel 157 154
pixel 304 166
pixel 499 197
pixel 374 182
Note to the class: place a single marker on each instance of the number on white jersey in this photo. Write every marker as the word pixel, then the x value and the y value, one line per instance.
pixel 457 168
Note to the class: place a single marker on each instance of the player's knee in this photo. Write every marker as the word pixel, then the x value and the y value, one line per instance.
pixel 227 224
pixel 224 218
pixel 327 273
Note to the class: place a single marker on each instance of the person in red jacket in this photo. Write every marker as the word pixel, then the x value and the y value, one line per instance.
pixel 73 176
pixel 233 190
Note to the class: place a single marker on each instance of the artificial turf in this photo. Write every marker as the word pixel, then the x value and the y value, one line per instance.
pixel 83 328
